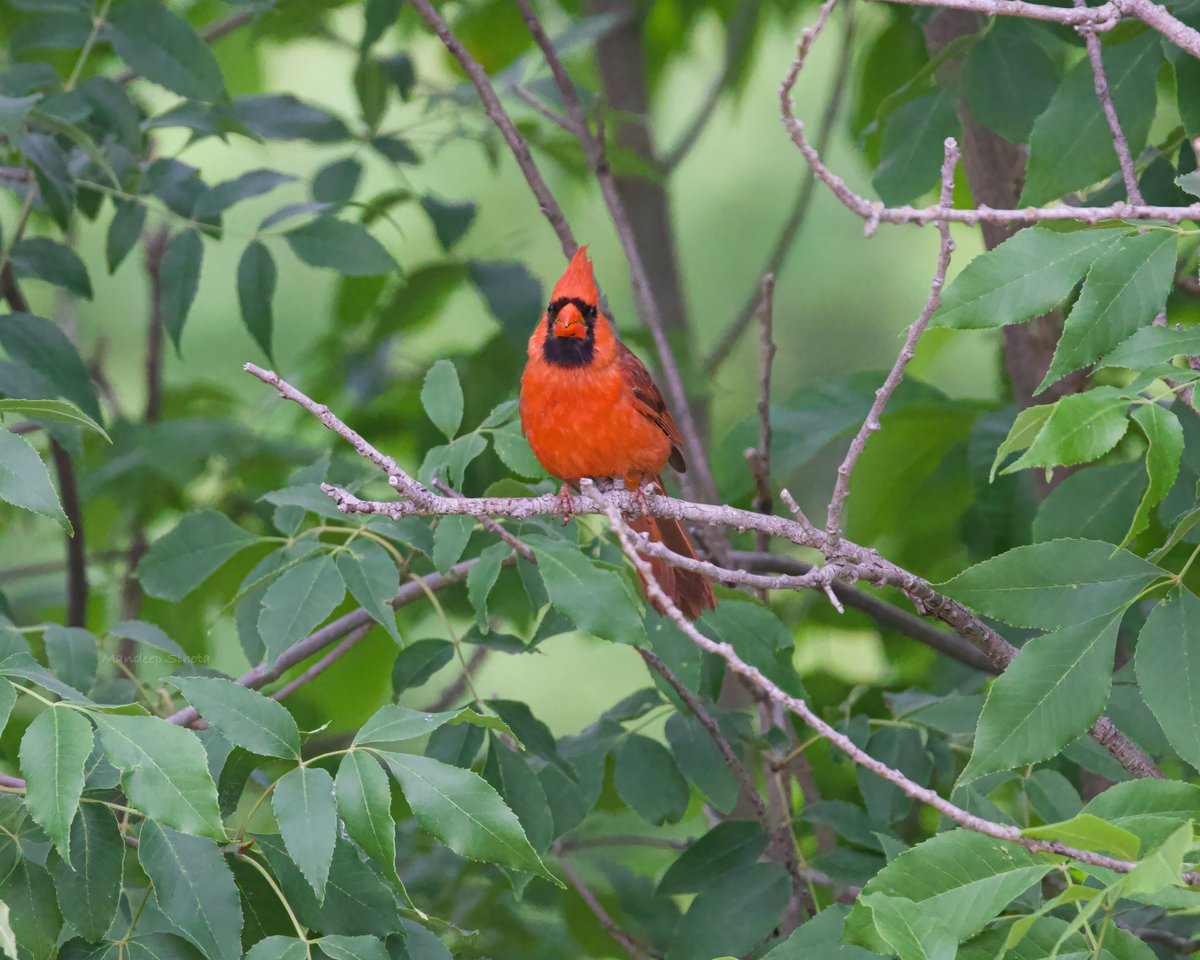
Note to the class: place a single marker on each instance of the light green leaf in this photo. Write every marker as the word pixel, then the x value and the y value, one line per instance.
pixel 1021 434
pixel 58 411
pixel 339 245
pixel 1088 832
pixel 1024 277
pixel 1153 345
pixel 1071 144
pixel 442 398
pixel 187 556
pixel 243 716
pixel 450 220
pixel 165 49
pixel 151 636
pixel 353 948
pixel 370 575
pixel 464 812
pixel 89 883
pixel 194 889
pixel 594 598
pixel 482 577
pixel 450 539
pixel 25 481
pixel 1093 504
pixel 725 848
pixel 1148 808
pixel 394 724
pixel 1165 437
pixel 278 948
pixel 515 453
pixel 53 752
pixel 1051 693
pixel 296 602
pixel 1168 670
pixel 1049 585
pixel 1124 290
pixel 911 933
pixel 733 914
pixel 1081 427
pixel 647 779
pixel 8 699
pixel 1162 867
pixel 73 655
pixel 364 801
pixel 304 806
pixel 164 772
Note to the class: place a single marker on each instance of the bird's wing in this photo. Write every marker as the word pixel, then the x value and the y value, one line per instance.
pixel 649 402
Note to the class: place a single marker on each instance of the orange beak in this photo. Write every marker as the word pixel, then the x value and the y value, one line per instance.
pixel 570 323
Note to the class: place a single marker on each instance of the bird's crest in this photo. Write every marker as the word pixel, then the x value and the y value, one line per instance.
pixel 578 281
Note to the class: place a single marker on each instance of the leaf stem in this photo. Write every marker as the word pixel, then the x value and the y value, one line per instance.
pixel 301 932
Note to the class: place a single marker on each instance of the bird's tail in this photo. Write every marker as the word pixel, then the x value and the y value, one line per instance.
pixel 690 591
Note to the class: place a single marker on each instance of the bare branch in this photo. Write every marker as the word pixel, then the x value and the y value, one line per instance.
pixel 499 116
pixel 798 706
pixel 841 490
pixel 450 696
pixel 638 951
pixel 311 673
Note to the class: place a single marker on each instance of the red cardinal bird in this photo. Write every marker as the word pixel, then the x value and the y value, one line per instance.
pixel 590 409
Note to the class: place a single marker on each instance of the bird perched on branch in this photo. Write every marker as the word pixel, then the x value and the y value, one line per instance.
pixel 590 408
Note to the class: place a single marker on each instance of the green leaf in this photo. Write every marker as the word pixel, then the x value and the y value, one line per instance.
pixel 42 346
pixel 194 889
pixel 8 699
pixel 73 655
pixel 1153 345
pixel 509 773
pixel 165 49
pixel 1190 182
pixel 256 279
pixel 254 183
pixel 482 577
pixel 912 150
pixel 1168 670
pixel 911 934
pixel 1165 437
pixel 1024 277
pixel 959 878
pixel 1124 290
pixel 283 117
pixel 1048 585
pixel 180 272
pixel 515 453
pixel 1009 79
pixel 243 716
pixel 278 948
pixel 512 294
pixel 151 636
pixel 450 220
pixel 419 661
pixel 442 398
pixel 1052 692
pixel 450 540
pixel 123 232
pixel 51 261
pixel 36 922
pixel 1092 504
pixel 1071 144
pixel 1082 427
pixel 370 575
pixel 364 801
pixel 821 937
pixel 733 914
pixel 464 812
pixel 53 752
pixel 299 600
pixel 1088 832
pixel 353 948
pixel 725 848
pixel 1162 866
pixel 337 182
pixel 346 247
pixel 594 598
pixel 89 883
pixel 164 772
pixel 700 761
pixel 24 480
pixel 1150 809
pixel 304 806
pixel 393 724
pixel 647 779
pixel 57 411
pixel 187 556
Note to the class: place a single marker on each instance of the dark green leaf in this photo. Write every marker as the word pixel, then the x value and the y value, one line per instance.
pixel 304 806
pixel 164 772
pixel 73 655
pixel 25 481
pixel 163 48
pixel 1152 345
pixel 337 182
pixel 89 883
pixel 910 933
pixel 1081 427
pixel 220 197
pixel 394 723
pixel 1168 676
pixel 396 150
pixel 243 716
pixel 51 261
pixel 913 138
pixel 194 889
pixel 1165 438
pixel 180 272
pixel 283 117
pixel 450 540
pixel 1024 277
pixel 346 247
pixel 55 411
pixel 53 751
pixel 123 232
pixel 726 848
pixel 364 801
pixel 1050 585
pixel 903 749
pixel 595 599
pixel 701 761
pixel 482 577
pixel 464 812
pixel 299 600
pixel 370 575
pixel 1051 693
pixel 450 220
pixel 509 773
pixel 1009 79
pixel 187 556
pixel 733 914
pixel 1093 504
pixel 418 662
pixel 820 937
pixel 278 948
pixel 1071 145
pixel 45 348
pixel 511 292
pixel 28 893
pixel 353 948
pixel 149 635
pixel 648 779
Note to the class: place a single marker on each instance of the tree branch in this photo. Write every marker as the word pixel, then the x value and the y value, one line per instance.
pixel 637 950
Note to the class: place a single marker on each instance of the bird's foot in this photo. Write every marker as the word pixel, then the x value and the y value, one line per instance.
pixel 606 484
pixel 566 505
pixel 639 497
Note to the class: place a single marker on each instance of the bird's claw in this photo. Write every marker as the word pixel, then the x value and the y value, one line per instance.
pixel 566 505
pixel 639 497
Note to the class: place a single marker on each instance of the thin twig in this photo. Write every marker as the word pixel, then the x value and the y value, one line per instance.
pixel 499 116
pixel 798 706
pixel 841 490
pixel 760 458
pixel 315 670
pixel 630 944
pixel 450 696
pixel 622 840
pixel 1104 95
